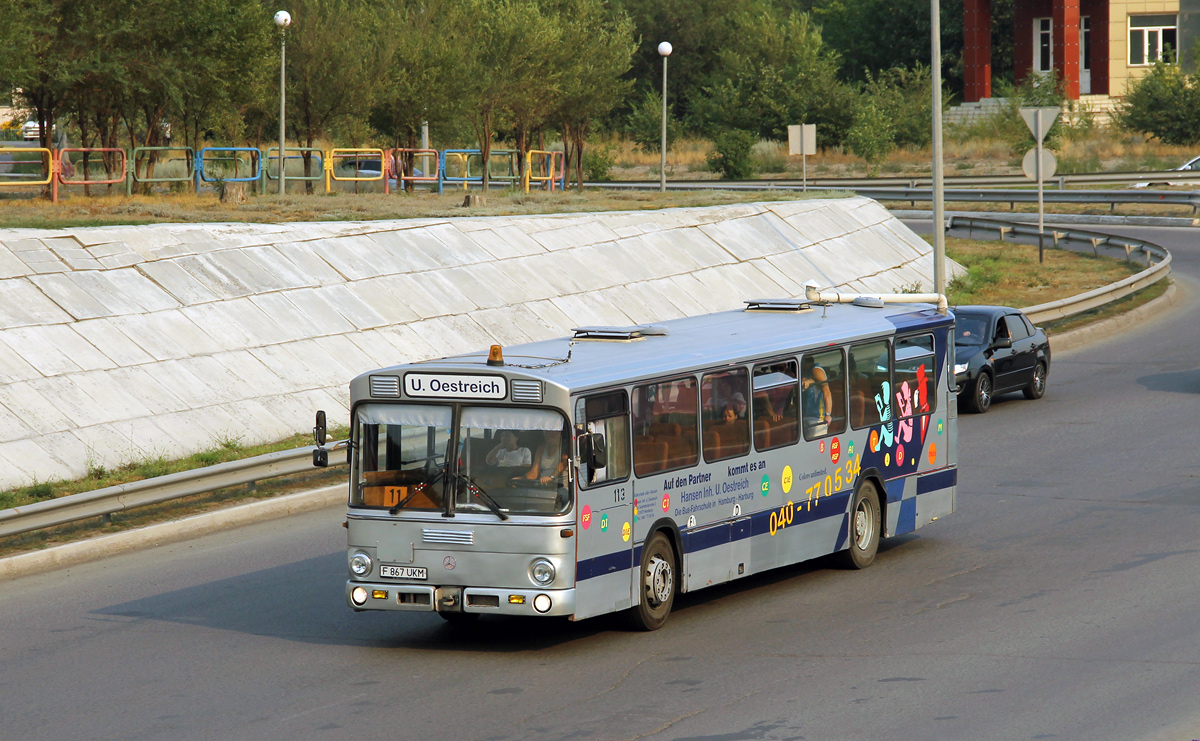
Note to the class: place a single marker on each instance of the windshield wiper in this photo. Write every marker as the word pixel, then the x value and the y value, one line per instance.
pixel 417 489
pixel 484 497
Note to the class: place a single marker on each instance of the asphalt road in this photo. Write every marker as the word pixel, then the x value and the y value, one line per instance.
pixel 1061 601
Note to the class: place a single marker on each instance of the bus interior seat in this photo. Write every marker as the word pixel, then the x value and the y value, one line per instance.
pixel 712 445
pixel 649 455
pixel 762 433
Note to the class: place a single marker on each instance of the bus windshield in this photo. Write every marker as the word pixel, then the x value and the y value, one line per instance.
pixel 506 460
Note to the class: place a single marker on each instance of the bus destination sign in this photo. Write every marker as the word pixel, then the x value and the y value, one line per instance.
pixel 449 386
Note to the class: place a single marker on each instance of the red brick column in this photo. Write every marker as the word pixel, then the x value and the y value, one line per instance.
pixel 977 50
pixel 1066 44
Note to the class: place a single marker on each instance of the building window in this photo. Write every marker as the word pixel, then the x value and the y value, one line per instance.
pixel 1152 37
pixel 1043 45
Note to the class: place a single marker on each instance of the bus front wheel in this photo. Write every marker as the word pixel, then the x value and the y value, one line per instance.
pixel 864 527
pixel 657 582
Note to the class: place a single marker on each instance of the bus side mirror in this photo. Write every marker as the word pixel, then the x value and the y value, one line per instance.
pixel 598 453
pixel 320 455
pixel 319 430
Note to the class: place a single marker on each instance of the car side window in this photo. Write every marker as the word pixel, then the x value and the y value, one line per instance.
pixel 1001 329
pixel 1016 327
pixel 1028 325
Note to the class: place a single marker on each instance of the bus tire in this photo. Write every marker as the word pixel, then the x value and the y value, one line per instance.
pixel 981 393
pixel 864 527
pixel 657 582
pixel 1037 386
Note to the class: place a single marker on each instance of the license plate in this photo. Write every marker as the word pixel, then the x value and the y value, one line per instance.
pixel 403 572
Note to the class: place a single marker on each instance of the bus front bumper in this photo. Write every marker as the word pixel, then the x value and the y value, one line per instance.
pixel 483 600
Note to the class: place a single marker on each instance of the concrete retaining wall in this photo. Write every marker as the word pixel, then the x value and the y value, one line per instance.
pixel 123 343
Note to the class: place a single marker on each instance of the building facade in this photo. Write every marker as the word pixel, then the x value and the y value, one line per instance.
pixel 1096 46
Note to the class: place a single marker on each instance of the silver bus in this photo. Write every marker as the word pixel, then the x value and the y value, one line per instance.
pixel 617 468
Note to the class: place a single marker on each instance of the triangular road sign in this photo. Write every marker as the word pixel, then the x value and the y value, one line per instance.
pixel 1049 115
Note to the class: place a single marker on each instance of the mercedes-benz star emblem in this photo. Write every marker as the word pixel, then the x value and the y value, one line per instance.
pixel 449 563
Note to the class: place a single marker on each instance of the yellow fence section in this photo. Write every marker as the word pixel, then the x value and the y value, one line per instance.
pixel 546 160
pixel 10 162
pixel 370 161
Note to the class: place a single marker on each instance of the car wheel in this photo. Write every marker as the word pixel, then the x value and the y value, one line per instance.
pixel 981 394
pixel 657 584
pixel 864 528
pixel 1037 387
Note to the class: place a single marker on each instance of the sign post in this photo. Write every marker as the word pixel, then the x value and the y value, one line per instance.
pixel 1039 121
pixel 802 140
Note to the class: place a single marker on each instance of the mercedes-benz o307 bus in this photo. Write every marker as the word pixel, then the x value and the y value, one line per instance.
pixel 617 468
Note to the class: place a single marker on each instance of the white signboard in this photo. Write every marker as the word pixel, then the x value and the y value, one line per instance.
pixel 451 386
pixel 802 139
pixel 1029 164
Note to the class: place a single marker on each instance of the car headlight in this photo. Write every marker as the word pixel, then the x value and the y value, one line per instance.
pixel 960 368
pixel 541 571
pixel 360 564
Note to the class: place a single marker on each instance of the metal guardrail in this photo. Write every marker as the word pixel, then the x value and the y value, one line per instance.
pixel 121 497
pixel 987 195
pixel 1158 261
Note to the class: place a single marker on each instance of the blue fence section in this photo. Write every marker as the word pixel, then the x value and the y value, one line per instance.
pixel 227 154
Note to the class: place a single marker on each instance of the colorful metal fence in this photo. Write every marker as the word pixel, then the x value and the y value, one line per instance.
pixel 404 165
pixel 214 155
pixel 294 153
pixel 26 166
pixel 11 168
pixel 370 165
pixel 546 160
pixel 154 156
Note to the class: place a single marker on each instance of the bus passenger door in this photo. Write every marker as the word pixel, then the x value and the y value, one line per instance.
pixel 604 506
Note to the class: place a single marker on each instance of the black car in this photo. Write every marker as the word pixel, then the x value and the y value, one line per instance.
pixel 997 350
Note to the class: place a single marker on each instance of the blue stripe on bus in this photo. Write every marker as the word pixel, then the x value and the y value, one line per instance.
pixel 760 524
pixel 601 565
pixel 935 481
pixel 907 521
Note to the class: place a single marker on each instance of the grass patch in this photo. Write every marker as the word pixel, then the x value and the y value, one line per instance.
pixel 1009 274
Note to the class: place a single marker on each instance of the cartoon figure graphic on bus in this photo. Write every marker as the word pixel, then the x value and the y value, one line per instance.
pixel 885 412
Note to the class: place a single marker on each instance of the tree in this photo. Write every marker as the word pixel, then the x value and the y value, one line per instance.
pixel 1165 104
pixel 424 77
pixel 776 71
pixel 873 135
pixel 331 68
pixel 600 46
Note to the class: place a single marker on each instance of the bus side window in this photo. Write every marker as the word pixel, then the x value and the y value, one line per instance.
pixel 823 393
pixel 607 415
pixel 869 380
pixel 664 426
pixel 915 378
pixel 726 414
pixel 776 405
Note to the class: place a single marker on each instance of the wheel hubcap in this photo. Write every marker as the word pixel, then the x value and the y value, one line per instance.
pixel 862 525
pixel 1039 379
pixel 659 580
pixel 985 391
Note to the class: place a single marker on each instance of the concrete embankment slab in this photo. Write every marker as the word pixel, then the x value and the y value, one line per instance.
pixel 121 343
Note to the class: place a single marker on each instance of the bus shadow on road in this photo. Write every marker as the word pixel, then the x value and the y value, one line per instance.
pixel 304 602
pixel 1180 382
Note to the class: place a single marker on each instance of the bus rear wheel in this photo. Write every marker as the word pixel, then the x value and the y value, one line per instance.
pixel 863 527
pixel 657 583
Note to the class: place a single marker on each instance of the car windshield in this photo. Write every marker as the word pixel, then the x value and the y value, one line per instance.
pixel 507 460
pixel 970 329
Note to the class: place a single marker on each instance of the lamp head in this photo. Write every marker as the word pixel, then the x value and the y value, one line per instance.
pixel 664 49
pixel 283 19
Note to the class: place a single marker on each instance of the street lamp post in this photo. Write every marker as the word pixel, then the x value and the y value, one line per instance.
pixel 283 19
pixel 939 192
pixel 664 50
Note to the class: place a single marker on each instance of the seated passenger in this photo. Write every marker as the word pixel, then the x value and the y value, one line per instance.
pixel 817 400
pixel 550 461
pixel 507 453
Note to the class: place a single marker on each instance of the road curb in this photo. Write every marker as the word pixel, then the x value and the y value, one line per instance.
pixel 83 551
pixel 1077 338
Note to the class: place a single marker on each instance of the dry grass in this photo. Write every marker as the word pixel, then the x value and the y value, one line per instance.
pixel 1009 274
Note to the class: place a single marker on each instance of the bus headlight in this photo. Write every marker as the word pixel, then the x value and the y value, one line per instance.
pixel 360 564
pixel 358 595
pixel 542 603
pixel 541 571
